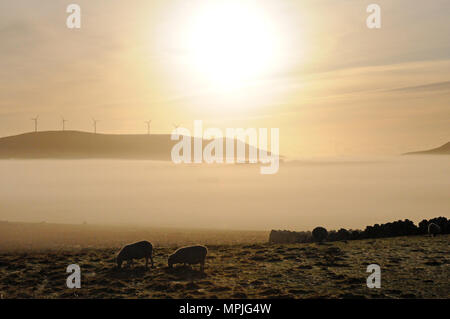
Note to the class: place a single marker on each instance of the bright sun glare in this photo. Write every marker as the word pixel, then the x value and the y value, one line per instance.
pixel 230 44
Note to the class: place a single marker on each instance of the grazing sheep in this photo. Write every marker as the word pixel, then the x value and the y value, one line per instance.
pixel 319 234
pixel 433 229
pixel 142 249
pixel 189 255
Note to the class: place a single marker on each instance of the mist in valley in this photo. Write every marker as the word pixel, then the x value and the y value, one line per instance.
pixel 333 193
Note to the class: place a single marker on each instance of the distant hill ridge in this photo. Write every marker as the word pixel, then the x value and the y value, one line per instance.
pixel 442 150
pixel 84 145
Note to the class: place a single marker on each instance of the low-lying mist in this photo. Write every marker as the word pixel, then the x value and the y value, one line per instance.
pixel 302 195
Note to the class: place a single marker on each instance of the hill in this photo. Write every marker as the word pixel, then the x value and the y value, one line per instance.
pixel 442 150
pixel 83 145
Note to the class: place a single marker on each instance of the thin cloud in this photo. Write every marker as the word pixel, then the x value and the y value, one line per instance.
pixel 437 86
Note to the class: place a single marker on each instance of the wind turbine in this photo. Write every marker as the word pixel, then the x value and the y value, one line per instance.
pixel 148 126
pixel 64 121
pixel 176 126
pixel 35 123
pixel 94 121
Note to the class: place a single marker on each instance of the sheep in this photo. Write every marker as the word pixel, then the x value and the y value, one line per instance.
pixel 189 255
pixel 142 249
pixel 433 229
pixel 319 234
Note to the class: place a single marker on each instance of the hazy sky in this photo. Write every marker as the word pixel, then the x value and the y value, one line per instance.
pixel 311 68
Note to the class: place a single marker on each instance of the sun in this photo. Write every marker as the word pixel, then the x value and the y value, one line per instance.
pixel 230 44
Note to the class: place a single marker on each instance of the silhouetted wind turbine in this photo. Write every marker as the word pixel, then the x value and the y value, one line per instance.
pixel 95 125
pixel 148 126
pixel 63 120
pixel 35 123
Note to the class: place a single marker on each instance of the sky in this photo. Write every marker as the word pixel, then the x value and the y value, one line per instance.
pixel 311 68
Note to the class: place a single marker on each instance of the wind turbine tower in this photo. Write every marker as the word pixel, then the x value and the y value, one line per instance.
pixel 64 121
pixel 176 126
pixel 94 121
pixel 148 126
pixel 35 123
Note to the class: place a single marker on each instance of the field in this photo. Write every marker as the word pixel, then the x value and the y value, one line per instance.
pixel 243 266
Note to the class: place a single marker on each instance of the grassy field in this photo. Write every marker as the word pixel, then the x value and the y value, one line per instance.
pixel 412 267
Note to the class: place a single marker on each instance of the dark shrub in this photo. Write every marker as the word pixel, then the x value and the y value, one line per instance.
pixel 319 234
pixel 355 234
pixel 343 234
pixel 423 227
